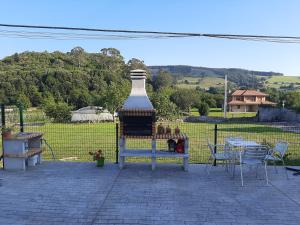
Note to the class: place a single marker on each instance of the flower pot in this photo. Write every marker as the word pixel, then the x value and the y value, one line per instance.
pixel 7 134
pixel 177 130
pixel 100 162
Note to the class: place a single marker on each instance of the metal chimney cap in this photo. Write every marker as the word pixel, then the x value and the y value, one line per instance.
pixel 138 72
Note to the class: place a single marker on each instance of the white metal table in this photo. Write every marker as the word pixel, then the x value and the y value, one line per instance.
pixel 240 145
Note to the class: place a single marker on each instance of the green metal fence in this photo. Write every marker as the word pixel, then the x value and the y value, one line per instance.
pixel 73 141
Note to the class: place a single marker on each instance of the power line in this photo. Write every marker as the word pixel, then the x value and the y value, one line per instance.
pixel 114 34
pixel 97 30
pixel 72 36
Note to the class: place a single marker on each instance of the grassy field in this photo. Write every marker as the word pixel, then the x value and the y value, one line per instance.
pixel 291 79
pixel 283 81
pixel 74 141
pixel 205 82
pixel 217 112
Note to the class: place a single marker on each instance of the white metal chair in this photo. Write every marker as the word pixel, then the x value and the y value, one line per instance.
pixel 254 156
pixel 277 154
pixel 233 153
pixel 220 155
pixel 233 138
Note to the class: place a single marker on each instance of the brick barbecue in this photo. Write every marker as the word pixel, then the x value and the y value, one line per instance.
pixel 137 115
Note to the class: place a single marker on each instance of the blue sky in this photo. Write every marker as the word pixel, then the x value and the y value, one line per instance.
pixel 266 17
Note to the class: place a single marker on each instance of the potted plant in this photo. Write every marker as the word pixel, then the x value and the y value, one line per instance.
pixel 98 157
pixel 7 132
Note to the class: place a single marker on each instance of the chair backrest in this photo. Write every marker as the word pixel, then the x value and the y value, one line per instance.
pixel 233 138
pixel 211 149
pixel 281 147
pixel 255 152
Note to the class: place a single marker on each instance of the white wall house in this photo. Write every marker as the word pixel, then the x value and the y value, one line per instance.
pixel 91 114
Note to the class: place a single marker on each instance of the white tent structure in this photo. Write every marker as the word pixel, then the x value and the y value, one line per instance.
pixel 91 114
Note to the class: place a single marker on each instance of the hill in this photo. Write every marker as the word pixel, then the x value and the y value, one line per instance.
pixel 240 77
pixel 283 82
pixel 203 82
pixel 77 77
pixel 194 71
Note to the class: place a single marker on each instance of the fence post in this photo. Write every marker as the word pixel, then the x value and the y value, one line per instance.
pixel 215 141
pixel 2 130
pixel 3 115
pixel 21 118
pixel 117 143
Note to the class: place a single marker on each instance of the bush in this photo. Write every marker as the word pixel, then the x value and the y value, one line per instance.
pixel 60 112
pixel 164 107
pixel 203 108
pixel 23 101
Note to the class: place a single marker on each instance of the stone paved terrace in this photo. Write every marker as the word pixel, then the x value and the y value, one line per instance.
pixel 80 193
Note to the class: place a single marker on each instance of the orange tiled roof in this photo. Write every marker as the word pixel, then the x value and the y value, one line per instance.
pixel 248 93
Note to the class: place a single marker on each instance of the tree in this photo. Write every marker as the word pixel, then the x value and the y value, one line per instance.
pixel 208 99
pixel 80 98
pixel 115 95
pixel 23 101
pixel 162 80
pixel 219 100
pixel 112 52
pixel 60 112
pixel 164 107
pixel 276 95
pixel 203 108
pixel 77 51
pixel 134 64
pixel 293 100
pixel 34 96
pixel 184 98
pixel 78 54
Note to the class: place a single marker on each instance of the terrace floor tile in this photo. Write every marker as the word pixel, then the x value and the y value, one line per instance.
pixel 81 193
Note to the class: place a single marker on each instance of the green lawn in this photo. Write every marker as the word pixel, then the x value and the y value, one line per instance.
pixel 291 79
pixel 206 82
pixel 217 112
pixel 283 81
pixel 74 141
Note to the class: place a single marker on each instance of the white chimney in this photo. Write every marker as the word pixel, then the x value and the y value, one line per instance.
pixel 138 98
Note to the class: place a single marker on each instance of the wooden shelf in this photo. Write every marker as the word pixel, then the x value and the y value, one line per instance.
pixel 170 136
pixel 162 154
pixel 24 136
pixel 29 153
pixel 160 136
pixel 137 153
pixel 155 153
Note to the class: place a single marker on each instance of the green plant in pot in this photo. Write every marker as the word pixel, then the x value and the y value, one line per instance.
pixel 98 157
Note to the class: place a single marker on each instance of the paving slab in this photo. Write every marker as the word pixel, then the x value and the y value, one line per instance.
pixel 80 193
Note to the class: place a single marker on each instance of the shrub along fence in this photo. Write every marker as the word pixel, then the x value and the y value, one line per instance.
pixel 73 141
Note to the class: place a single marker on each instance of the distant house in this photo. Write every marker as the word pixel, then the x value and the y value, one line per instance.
pixel 248 101
pixel 91 114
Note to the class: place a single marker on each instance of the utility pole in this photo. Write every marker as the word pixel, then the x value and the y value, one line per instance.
pixel 225 98
pixel 253 80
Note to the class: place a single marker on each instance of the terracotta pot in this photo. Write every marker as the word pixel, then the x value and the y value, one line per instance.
pixel 177 130
pixel 160 129
pixel 168 130
pixel 7 134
